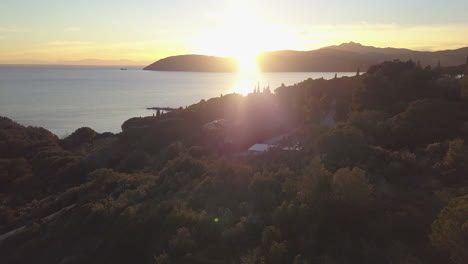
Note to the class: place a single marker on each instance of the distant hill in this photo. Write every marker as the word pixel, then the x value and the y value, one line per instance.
pixel 84 62
pixel 345 57
pixel 194 63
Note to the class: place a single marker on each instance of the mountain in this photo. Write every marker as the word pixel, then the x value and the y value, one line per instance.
pixel 194 63
pixel 358 48
pixel 339 58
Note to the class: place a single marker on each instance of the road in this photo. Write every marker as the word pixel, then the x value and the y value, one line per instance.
pixel 44 220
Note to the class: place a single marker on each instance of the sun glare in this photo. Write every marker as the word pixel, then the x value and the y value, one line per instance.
pixel 241 33
pixel 247 61
pixel 246 81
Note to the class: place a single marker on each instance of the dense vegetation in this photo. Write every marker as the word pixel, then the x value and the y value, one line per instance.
pixel 387 184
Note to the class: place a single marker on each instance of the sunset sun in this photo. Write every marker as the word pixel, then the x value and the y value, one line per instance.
pixel 242 35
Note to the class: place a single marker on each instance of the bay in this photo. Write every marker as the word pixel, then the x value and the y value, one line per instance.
pixel 64 98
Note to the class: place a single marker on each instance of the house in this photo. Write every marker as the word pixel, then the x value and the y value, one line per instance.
pixel 259 148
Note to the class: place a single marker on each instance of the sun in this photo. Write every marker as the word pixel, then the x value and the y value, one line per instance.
pixel 247 61
pixel 246 81
pixel 242 35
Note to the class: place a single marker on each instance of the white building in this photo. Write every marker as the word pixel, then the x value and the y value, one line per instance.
pixel 259 148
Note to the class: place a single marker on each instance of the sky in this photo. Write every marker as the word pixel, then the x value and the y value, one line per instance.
pixel 61 31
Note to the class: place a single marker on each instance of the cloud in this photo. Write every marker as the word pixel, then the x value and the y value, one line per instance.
pixel 72 29
pixel 69 43
pixel 12 30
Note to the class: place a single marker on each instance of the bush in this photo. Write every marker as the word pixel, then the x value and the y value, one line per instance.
pixel 134 161
pixel 343 146
pixel 80 136
pixel 424 122
pixel 352 186
pixel 450 230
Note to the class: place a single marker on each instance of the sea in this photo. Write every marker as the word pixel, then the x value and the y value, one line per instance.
pixel 65 98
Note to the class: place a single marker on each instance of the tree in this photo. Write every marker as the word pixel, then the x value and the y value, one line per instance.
pixel 450 230
pixel 182 243
pixel 367 121
pixel 270 234
pixel 390 84
pixel 423 123
pixel 277 252
pixel 266 191
pixel 352 186
pixel 162 259
pixel 464 88
pixel 80 136
pixel 343 146
pixel 252 257
pixel 134 161
pixel 455 163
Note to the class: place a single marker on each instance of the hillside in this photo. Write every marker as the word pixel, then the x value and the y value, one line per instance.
pixel 387 184
pixel 194 63
pixel 340 58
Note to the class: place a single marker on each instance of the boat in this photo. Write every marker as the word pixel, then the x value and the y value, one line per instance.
pixel 123 69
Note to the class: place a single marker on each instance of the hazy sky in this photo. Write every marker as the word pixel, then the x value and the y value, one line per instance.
pixel 143 30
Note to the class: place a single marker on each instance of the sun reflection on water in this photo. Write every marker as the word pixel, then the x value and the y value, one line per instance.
pixel 247 77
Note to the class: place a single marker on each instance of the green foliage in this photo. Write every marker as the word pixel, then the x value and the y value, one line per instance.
pixel 343 146
pixel 134 161
pixel 270 235
pixel 367 121
pixel 181 171
pixel 80 136
pixel 455 163
pixel 196 151
pixel 17 140
pixel 174 150
pixel 423 123
pixel 182 243
pixel 14 169
pixel 265 191
pixel 315 183
pixel 450 230
pixel 163 258
pixel 464 83
pixel 277 252
pixel 352 186
pixel 394 82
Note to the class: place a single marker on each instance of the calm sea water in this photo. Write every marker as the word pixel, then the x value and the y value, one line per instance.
pixel 64 98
